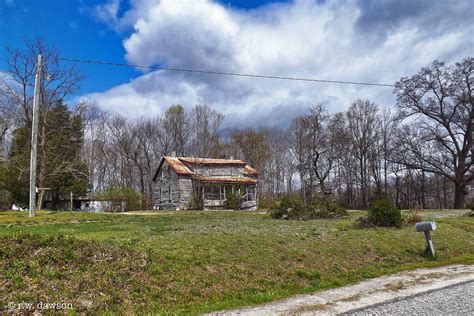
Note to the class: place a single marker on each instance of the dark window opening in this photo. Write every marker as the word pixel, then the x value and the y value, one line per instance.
pixel 250 194
pixel 214 192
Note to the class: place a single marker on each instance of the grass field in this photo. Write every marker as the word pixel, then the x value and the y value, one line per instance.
pixel 193 262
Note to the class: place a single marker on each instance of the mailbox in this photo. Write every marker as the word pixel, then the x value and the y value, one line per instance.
pixel 425 226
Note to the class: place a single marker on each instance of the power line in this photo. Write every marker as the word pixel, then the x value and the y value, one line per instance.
pixel 225 73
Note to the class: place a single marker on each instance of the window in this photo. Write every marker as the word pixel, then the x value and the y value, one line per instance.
pixel 214 192
pixel 250 194
pixel 169 192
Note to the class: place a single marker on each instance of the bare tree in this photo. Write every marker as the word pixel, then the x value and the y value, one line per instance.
pixel 297 132
pixel 276 165
pixel 388 127
pixel 347 167
pixel 439 101
pixel 255 148
pixel 205 125
pixel 95 132
pixel 362 118
pixel 178 125
pixel 6 119
pixel 61 81
pixel 146 155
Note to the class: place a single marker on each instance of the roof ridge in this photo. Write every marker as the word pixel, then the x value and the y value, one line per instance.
pixel 211 160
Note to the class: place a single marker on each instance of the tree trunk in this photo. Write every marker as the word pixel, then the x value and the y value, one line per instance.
pixel 289 187
pixel 397 196
pixel 438 194
pixel 385 182
pixel 445 193
pixel 423 195
pixel 2 156
pixel 459 192
pixel 459 183
pixel 363 187
pixel 39 204
pixel 303 187
pixel 350 196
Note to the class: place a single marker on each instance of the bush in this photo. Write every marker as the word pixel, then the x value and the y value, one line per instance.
pixel 265 202
pixel 288 207
pixel 412 217
pixel 329 210
pixel 383 213
pixel 291 207
pixel 232 200
pixel 196 202
pixel 5 200
pixel 121 199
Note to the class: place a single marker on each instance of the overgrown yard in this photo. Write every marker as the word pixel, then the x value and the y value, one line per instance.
pixel 192 262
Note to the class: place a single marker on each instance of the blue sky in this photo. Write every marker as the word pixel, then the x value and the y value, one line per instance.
pixel 357 40
pixel 70 26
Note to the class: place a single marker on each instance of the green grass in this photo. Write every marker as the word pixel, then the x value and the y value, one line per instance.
pixel 193 262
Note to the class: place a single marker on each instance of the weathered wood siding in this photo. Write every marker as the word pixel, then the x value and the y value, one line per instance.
pixel 212 204
pixel 218 171
pixel 249 205
pixel 167 189
pixel 185 192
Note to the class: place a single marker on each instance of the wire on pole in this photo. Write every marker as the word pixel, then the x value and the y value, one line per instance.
pixel 98 62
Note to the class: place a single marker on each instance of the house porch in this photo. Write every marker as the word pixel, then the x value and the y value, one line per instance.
pixel 215 194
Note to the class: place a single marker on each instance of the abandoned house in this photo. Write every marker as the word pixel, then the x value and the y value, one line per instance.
pixel 203 183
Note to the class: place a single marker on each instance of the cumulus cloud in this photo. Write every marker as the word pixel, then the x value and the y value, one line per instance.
pixel 378 41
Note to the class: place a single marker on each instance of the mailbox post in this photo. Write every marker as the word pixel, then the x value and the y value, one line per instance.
pixel 426 227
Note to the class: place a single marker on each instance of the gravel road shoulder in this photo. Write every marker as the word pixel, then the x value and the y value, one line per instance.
pixel 365 294
pixel 456 299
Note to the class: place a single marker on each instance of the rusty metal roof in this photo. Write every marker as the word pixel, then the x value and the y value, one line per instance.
pixel 249 170
pixel 180 166
pixel 234 180
pixel 177 165
pixel 209 161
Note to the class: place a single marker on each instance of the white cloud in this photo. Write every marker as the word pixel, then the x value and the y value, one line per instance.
pixel 333 40
pixel 107 12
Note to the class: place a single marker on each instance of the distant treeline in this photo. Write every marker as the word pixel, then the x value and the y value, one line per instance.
pixel 419 151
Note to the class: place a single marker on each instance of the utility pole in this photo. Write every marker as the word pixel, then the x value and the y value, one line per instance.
pixel 34 137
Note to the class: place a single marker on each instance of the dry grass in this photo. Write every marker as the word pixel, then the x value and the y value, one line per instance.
pixel 192 262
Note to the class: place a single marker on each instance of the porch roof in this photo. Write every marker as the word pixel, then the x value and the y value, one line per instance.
pixel 249 170
pixel 229 180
